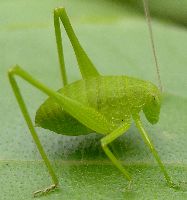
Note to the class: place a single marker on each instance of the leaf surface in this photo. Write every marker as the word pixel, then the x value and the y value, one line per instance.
pixel 116 39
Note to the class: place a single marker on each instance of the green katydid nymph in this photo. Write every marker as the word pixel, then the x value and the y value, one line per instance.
pixel 96 103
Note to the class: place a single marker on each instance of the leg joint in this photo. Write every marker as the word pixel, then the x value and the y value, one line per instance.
pixel 13 70
pixel 59 11
pixel 103 143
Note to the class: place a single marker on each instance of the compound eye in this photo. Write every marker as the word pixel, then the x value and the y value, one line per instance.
pixel 155 99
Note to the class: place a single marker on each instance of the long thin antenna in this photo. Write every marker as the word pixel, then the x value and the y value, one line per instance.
pixel 148 18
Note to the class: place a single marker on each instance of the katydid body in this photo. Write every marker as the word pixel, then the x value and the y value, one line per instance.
pixel 118 98
pixel 102 104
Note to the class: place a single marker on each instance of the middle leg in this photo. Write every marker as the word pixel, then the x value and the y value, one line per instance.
pixel 108 139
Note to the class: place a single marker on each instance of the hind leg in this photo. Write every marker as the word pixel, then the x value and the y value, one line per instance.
pixel 86 66
pixel 86 115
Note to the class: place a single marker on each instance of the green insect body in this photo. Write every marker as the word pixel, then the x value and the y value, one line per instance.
pixel 118 98
pixel 96 103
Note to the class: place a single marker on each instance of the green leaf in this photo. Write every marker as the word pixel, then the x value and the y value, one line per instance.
pixel 116 39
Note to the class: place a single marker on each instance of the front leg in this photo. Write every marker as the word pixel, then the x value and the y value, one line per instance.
pixel 108 139
pixel 153 151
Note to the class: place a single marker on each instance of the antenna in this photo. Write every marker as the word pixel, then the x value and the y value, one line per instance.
pixel 148 18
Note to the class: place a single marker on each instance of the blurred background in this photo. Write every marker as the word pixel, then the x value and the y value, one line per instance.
pixel 114 33
pixel 171 10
